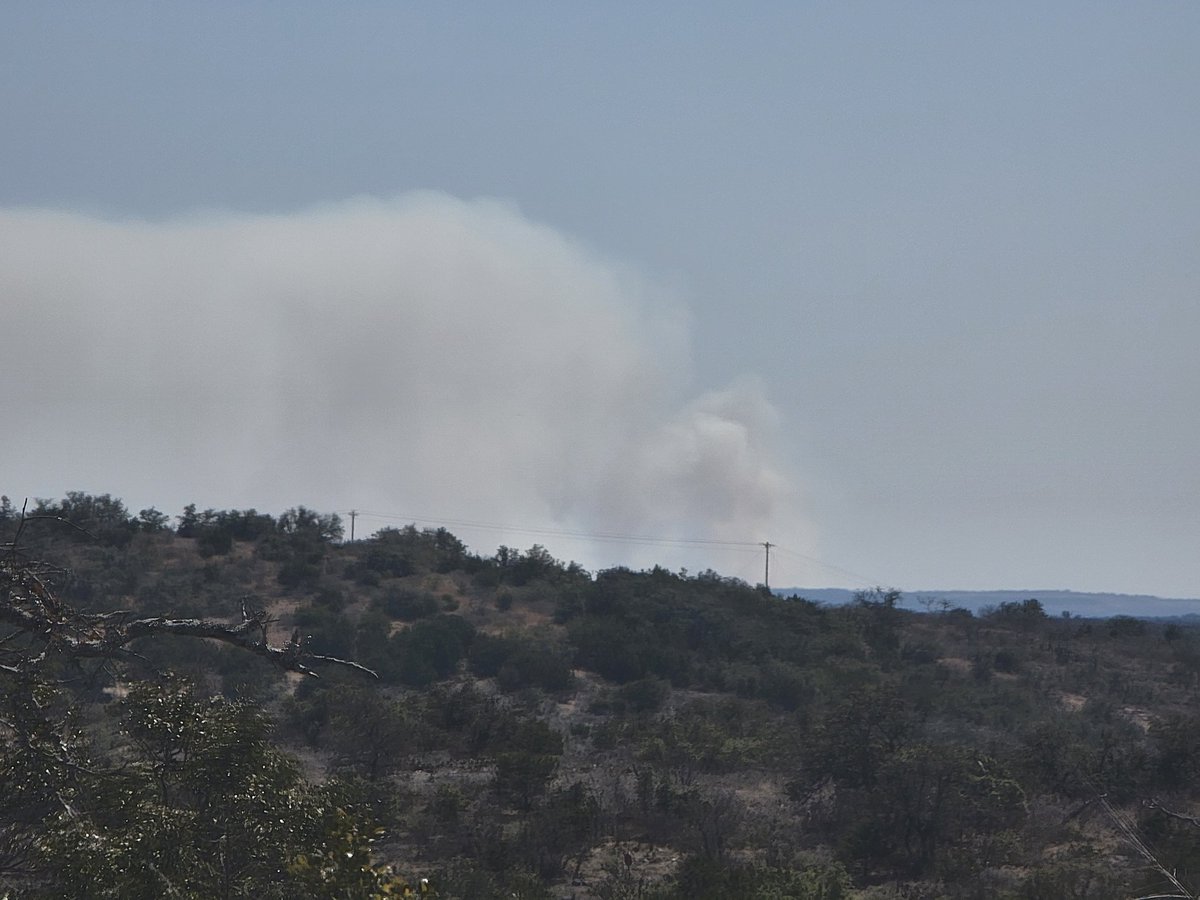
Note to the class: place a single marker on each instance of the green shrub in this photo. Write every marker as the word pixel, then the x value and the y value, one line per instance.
pixel 407 605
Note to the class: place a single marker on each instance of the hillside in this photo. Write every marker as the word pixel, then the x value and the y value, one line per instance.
pixel 544 732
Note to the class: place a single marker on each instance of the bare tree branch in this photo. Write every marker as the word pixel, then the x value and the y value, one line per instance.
pixel 1154 804
pixel 291 657
pixel 28 604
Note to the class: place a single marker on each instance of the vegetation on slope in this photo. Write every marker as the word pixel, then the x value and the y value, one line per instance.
pixel 540 731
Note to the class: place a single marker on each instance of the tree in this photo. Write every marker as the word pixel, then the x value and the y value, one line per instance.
pixel 53 633
pixel 100 519
pixel 1026 615
pixel 152 520
pixel 526 762
pixel 879 621
pixel 369 732
pixel 302 520
pixel 929 799
pixel 204 807
pixel 50 633
pixel 859 732
pixel 188 522
pixel 191 801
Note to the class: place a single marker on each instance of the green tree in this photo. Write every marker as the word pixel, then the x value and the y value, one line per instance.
pixel 369 732
pixel 204 807
pixel 189 522
pixel 190 799
pixel 1026 615
pixel 302 520
pixel 526 761
pixel 153 521
pixel 929 800
pixel 856 735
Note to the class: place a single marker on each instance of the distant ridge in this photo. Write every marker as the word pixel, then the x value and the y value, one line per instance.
pixel 1077 603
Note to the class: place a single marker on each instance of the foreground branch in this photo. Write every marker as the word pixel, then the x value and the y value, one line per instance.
pixel 291 657
pixel 52 629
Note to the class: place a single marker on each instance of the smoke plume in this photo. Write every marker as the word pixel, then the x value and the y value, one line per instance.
pixel 423 356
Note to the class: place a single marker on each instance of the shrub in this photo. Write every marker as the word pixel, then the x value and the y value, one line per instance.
pixel 407 605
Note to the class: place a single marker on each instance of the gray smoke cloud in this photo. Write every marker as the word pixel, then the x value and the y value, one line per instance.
pixel 423 356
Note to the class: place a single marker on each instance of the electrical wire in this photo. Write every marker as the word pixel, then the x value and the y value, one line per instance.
pixel 615 538
pixel 555 532
pixel 1136 839
pixel 1130 831
pixel 869 582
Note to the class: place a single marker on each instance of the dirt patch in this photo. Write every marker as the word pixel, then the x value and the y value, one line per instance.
pixel 956 664
pixel 1072 702
pixel 1138 716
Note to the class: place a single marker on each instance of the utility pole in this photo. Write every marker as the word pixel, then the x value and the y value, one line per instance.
pixel 353 514
pixel 767 545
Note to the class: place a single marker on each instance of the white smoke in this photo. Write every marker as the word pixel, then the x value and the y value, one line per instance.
pixel 424 356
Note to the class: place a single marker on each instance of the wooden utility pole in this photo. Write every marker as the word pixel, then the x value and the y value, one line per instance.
pixel 353 514
pixel 767 545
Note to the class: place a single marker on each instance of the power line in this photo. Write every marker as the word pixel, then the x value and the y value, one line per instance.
pixel 869 582
pixel 556 532
pixel 619 538
pixel 1130 831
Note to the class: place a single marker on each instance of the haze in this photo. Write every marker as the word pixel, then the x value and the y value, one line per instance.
pixel 912 293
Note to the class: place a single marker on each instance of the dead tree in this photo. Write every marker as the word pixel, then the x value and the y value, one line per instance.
pixel 43 629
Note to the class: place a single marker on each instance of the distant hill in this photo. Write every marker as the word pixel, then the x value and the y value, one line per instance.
pixel 1077 603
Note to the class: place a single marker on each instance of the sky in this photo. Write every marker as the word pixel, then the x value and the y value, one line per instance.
pixel 910 291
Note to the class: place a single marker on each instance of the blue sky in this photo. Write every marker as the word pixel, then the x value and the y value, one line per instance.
pixel 912 291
